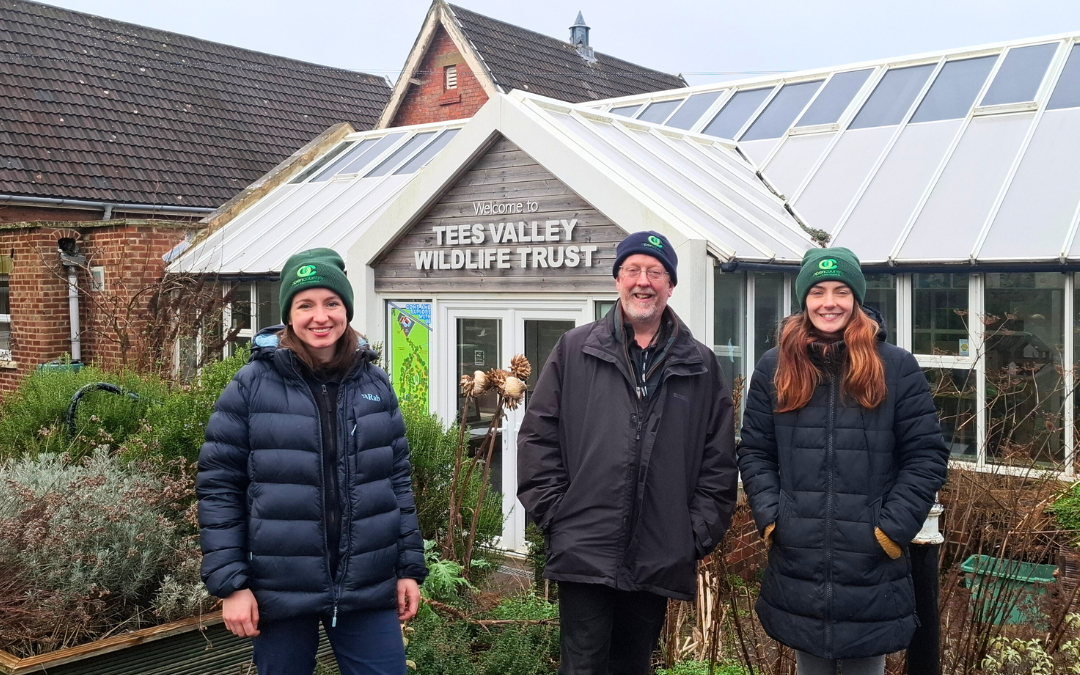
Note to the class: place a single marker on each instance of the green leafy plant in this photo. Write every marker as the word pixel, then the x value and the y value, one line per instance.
pixel 702 668
pixel 445 577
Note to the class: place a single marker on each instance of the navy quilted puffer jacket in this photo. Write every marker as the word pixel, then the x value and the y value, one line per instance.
pixel 826 475
pixel 262 515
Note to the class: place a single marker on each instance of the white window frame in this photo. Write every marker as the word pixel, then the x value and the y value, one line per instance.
pixel 5 320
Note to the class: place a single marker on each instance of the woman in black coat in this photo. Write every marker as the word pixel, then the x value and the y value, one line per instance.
pixel 841 457
pixel 306 511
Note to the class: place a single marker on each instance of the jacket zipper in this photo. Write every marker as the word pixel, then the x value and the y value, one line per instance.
pixel 830 433
pixel 333 508
pixel 344 564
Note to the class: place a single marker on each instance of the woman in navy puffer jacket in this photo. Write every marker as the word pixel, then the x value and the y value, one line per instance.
pixel 306 510
pixel 841 455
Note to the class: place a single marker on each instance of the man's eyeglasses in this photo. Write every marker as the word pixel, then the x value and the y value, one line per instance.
pixel 654 273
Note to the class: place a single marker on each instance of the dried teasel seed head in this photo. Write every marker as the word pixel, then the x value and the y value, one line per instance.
pixel 466 385
pixel 481 383
pixel 513 391
pixel 496 378
pixel 520 367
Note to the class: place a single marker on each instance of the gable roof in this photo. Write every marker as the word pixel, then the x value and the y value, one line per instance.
pixel 517 58
pixel 97 109
pixel 505 57
pixel 955 156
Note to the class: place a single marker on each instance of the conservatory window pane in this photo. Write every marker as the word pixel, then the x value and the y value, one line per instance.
pixel 240 308
pixel 368 154
pixel 834 99
pixel 267 310
pixel 425 155
pixel 322 161
pixel 410 146
pixel 1025 386
pixel 781 111
pixel 729 322
pixel 954 90
pixel 1020 75
pixel 1067 91
pixel 768 310
pixel 881 295
pixel 892 97
pixel 735 113
pixel 1035 217
pixel 693 109
pixel 956 399
pixel 941 312
pixel 659 111
pixel 794 159
pixel 358 150
pixel 956 210
pixel 625 110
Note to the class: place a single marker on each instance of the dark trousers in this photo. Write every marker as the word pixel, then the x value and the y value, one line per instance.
pixel 365 643
pixel 603 631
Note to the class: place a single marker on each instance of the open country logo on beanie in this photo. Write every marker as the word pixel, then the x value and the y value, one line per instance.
pixel 830 264
pixel 648 243
pixel 314 268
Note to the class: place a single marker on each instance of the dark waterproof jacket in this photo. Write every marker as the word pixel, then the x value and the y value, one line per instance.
pixel 262 512
pixel 826 475
pixel 629 491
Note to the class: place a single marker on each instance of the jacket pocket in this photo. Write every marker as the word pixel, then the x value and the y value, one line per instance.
pixel 783 517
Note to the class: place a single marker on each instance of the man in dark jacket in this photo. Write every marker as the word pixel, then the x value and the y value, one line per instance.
pixel 626 461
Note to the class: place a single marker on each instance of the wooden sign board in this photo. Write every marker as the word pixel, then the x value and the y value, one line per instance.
pixel 506 225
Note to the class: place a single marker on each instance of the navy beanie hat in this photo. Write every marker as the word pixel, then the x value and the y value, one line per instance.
pixel 647 243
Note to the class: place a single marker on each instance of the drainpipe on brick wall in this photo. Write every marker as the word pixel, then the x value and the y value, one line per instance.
pixel 71 259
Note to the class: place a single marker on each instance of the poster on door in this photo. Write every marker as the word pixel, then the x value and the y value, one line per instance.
pixel 410 334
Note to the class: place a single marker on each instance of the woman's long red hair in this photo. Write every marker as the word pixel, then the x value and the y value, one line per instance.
pixel 797 377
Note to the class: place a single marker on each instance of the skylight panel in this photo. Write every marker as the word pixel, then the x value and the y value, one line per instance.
pixel 355 151
pixel 695 106
pixel 954 90
pixel 410 146
pixel 425 155
pixel 735 113
pixel 659 111
pixel 892 97
pixel 1067 91
pixel 625 110
pixel 834 98
pixel 782 111
pixel 322 161
pixel 1020 75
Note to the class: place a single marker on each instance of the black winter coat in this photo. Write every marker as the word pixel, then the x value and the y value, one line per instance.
pixel 826 475
pixel 262 515
pixel 630 492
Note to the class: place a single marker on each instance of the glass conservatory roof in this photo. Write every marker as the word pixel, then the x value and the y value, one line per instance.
pixel 963 155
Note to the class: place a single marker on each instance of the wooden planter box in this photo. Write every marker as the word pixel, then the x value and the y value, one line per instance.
pixel 195 646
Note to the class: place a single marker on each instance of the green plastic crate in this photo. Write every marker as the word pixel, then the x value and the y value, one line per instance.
pixel 53 366
pixel 1016 586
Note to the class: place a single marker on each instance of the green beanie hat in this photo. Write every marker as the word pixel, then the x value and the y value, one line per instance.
pixel 314 268
pixel 830 264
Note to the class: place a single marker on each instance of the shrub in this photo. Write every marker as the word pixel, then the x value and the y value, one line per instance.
pixel 522 649
pixel 441 647
pixel 93 540
pixel 702 668
pixel 1066 510
pixel 32 417
pixel 175 428
pixel 432 447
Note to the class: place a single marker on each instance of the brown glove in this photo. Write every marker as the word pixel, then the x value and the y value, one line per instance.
pixel 768 534
pixel 890 546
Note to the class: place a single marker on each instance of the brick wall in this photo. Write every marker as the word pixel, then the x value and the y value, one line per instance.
pixel 40 324
pixel 430 101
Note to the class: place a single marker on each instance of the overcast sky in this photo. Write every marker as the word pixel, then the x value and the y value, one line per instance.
pixel 706 40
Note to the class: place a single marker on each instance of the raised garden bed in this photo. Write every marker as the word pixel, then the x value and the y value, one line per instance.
pixel 199 645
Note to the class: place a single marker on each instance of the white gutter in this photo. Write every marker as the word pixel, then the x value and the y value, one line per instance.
pixel 107 207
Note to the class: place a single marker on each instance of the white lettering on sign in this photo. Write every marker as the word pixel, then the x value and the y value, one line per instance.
pixel 498 234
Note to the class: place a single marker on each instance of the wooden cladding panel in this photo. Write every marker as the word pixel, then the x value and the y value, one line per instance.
pixel 504 174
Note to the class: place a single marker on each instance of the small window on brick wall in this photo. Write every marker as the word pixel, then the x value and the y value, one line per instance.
pixel 451 77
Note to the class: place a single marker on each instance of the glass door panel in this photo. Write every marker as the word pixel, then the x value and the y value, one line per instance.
pixel 540 339
pixel 479 347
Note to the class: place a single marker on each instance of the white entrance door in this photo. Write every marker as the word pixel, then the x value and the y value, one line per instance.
pixel 485 335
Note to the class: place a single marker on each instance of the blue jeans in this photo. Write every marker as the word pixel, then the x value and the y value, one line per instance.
pixel 807 664
pixel 365 643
